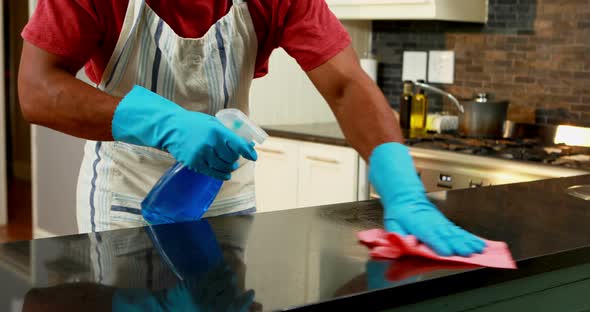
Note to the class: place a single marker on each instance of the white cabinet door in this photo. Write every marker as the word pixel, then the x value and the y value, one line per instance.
pixel 286 95
pixel 276 175
pixel 327 175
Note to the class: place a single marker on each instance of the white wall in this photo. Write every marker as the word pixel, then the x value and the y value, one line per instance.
pixel 56 162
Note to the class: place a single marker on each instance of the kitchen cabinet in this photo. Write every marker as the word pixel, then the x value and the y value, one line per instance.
pixel 446 10
pixel 327 175
pixel 294 174
pixel 276 175
pixel 286 95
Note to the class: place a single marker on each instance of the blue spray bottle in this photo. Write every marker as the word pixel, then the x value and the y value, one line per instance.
pixel 184 195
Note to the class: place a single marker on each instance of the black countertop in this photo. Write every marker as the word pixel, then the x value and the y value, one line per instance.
pixel 327 133
pixel 302 259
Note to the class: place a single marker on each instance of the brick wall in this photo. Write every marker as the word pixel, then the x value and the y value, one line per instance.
pixel 534 53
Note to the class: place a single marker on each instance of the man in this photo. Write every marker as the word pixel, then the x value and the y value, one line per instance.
pixel 163 67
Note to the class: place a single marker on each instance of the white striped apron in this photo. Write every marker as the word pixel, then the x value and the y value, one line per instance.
pixel 205 74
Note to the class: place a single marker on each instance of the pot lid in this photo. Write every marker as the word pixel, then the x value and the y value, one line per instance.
pixel 485 97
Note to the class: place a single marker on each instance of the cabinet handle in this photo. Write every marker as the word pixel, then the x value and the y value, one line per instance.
pixel 321 159
pixel 270 151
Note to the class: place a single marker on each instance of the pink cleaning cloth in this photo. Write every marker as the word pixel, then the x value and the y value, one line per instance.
pixel 393 246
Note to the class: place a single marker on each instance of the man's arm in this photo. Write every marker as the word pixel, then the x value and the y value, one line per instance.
pixel 51 96
pixel 371 128
pixel 362 111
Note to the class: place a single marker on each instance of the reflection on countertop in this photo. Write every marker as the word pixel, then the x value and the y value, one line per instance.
pixel 306 259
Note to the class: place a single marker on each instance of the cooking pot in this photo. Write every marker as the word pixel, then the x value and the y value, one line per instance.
pixel 482 117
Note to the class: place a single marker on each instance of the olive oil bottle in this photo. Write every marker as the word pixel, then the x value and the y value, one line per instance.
pixel 405 105
pixel 419 110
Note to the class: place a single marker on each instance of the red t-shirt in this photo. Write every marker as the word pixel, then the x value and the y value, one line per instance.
pixel 86 31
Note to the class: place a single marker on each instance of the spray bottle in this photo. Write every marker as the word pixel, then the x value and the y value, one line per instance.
pixel 184 195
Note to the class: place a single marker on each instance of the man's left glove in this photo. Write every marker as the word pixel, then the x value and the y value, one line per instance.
pixel 406 208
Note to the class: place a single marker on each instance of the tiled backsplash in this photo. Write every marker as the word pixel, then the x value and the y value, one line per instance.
pixel 534 53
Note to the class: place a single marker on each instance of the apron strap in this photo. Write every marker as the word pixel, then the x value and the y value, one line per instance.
pixel 238 1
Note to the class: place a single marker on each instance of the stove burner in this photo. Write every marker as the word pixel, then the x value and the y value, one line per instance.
pixel 525 150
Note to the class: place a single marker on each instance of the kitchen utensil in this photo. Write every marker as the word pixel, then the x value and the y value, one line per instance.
pixel 483 118
pixel 515 130
pixel 580 191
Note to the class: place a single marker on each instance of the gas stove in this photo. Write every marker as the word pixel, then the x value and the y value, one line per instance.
pixel 447 161
pixel 522 150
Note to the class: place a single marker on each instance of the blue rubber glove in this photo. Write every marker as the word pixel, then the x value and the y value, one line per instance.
pixel 406 208
pixel 199 141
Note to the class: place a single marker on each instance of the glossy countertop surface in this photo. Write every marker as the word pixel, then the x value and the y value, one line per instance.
pixel 327 133
pixel 302 259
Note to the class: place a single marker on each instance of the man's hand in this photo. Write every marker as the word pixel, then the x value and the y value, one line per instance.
pixel 197 140
pixel 408 211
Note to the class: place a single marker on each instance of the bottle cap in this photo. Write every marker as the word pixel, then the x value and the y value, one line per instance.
pixel 241 125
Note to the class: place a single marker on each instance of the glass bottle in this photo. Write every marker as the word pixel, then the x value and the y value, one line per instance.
pixel 419 110
pixel 405 105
